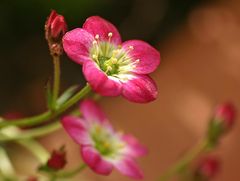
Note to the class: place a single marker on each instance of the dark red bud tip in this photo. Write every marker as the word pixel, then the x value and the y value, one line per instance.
pixel 50 19
pixel 55 26
pixel 226 113
pixel 208 167
pixel 57 160
pixel 58 26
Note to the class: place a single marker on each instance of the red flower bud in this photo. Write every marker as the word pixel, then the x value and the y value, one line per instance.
pixel 55 26
pixel 208 167
pixel 57 160
pixel 226 114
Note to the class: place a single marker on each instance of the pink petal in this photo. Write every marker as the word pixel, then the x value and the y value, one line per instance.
pixel 134 148
pixel 149 57
pixel 100 82
pixel 77 43
pixel 97 25
pixel 91 111
pixel 140 89
pixel 76 128
pixel 94 160
pixel 50 19
pixel 128 167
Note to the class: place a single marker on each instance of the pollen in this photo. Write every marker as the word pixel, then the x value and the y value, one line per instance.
pixel 97 36
pixel 95 56
pixel 110 34
pixel 131 47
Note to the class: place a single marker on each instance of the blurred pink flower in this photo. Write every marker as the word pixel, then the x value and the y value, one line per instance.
pixel 208 167
pixel 111 67
pixel 226 113
pixel 103 148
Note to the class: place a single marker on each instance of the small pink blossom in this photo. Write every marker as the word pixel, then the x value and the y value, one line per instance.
pixel 111 67
pixel 102 148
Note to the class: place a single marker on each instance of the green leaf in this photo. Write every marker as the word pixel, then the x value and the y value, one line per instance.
pixel 66 95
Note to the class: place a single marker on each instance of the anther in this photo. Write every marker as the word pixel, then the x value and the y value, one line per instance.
pixel 110 34
pixel 109 68
pixel 114 60
pixel 137 61
pixel 131 47
pixel 94 42
pixel 97 36
pixel 95 56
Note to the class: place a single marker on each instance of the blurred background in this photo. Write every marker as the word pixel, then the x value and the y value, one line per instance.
pixel 199 43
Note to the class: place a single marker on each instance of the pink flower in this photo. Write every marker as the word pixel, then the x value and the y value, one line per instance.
pixel 111 67
pixel 103 148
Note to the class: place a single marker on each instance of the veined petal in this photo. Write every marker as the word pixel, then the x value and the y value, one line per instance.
pixel 128 167
pixel 77 43
pixel 94 160
pixel 100 82
pixel 99 26
pixel 134 148
pixel 91 111
pixel 77 129
pixel 140 89
pixel 148 57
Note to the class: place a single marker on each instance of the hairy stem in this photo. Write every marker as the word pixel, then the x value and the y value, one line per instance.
pixel 56 82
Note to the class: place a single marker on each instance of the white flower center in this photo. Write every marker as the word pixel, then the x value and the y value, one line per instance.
pixel 112 59
pixel 105 142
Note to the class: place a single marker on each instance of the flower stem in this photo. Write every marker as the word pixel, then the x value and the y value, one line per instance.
pixel 32 133
pixel 36 149
pixel 56 83
pixel 48 114
pixel 181 164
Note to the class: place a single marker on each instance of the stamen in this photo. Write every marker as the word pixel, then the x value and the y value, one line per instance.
pixel 114 60
pixel 110 34
pixel 137 61
pixel 97 36
pixel 109 68
pixel 95 57
pixel 131 47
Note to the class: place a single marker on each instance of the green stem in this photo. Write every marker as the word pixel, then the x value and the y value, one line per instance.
pixel 6 167
pixel 48 114
pixel 68 174
pixel 33 133
pixel 36 149
pixel 39 131
pixel 56 83
pixel 181 164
